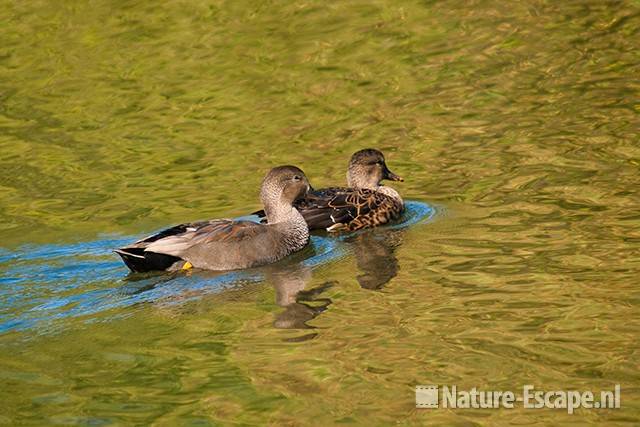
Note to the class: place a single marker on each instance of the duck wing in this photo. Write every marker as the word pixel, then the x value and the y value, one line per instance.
pixel 177 240
pixel 342 208
pixel 345 208
pixel 161 251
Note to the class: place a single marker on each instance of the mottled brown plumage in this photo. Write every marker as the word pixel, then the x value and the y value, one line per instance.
pixel 364 203
pixel 348 209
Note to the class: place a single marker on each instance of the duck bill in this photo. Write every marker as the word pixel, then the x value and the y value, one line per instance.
pixel 305 193
pixel 391 176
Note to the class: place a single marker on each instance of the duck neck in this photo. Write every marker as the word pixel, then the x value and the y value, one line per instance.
pixel 291 224
pixel 277 211
pixel 389 192
pixel 357 180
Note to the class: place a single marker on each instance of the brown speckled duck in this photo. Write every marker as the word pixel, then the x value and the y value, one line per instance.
pixel 225 244
pixel 365 203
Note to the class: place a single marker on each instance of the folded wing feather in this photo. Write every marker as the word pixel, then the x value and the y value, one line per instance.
pixel 176 240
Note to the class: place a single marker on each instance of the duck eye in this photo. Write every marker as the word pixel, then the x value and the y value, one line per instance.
pixel 297 178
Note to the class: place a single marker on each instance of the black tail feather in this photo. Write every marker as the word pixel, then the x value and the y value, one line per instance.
pixel 140 261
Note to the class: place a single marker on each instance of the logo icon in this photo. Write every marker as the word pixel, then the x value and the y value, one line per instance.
pixel 427 396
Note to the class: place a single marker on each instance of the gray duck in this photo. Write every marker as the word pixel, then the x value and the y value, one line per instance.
pixel 226 244
pixel 364 203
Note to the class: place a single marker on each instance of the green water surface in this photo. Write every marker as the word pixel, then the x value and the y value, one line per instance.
pixel 517 122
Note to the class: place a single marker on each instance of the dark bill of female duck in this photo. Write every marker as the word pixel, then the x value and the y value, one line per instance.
pixel 364 203
pixel 225 244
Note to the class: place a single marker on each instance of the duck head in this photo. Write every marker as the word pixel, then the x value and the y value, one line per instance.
pixel 367 168
pixel 280 188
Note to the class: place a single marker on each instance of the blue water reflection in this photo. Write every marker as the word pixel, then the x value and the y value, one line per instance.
pixel 40 284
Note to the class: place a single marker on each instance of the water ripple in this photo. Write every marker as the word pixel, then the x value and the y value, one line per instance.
pixel 44 283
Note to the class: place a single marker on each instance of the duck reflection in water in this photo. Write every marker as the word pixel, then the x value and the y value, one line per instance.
pixel 300 305
pixel 374 252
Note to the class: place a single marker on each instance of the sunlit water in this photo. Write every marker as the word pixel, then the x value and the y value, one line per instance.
pixel 66 275
pixel 515 126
